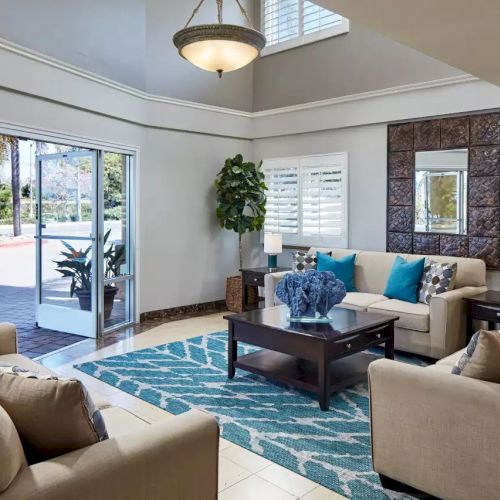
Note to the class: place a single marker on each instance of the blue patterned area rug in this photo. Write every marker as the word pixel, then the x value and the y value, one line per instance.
pixel 282 424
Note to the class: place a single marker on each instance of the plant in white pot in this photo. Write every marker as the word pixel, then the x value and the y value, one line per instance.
pixel 241 206
pixel 78 266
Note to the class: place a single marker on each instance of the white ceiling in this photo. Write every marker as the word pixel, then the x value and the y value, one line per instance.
pixel 461 33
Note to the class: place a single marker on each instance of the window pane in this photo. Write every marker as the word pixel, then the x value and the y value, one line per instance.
pixel 316 18
pixel 281 20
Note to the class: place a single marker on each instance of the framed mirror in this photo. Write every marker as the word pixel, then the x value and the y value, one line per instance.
pixel 441 191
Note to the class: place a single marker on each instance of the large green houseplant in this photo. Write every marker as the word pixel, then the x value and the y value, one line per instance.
pixel 241 207
pixel 77 265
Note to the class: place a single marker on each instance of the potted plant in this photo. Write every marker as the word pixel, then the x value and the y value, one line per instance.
pixel 78 267
pixel 241 207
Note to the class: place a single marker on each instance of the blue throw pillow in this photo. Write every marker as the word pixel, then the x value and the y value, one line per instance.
pixel 404 279
pixel 343 268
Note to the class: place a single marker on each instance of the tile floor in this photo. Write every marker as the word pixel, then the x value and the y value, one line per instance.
pixel 243 475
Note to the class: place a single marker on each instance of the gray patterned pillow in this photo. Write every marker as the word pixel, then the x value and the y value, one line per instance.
pixel 438 277
pixel 304 261
pixel 466 356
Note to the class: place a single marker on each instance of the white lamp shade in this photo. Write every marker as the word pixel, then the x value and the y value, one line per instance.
pixel 273 243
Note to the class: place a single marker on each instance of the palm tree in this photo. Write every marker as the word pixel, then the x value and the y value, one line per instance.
pixel 9 143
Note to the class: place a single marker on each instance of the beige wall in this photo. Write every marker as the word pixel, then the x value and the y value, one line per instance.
pixel 359 61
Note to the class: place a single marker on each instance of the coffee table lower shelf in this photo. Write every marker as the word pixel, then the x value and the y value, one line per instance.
pixel 303 374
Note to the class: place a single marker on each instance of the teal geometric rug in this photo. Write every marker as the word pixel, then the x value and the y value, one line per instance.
pixel 282 424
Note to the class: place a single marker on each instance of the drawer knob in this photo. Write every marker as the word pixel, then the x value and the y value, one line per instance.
pixel 378 335
pixel 255 279
pixel 348 346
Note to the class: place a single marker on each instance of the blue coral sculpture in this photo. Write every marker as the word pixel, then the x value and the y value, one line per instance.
pixel 310 292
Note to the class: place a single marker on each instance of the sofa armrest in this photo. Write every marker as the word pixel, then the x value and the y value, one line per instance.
pixel 270 282
pixel 8 338
pixel 175 458
pixel 435 431
pixel 448 320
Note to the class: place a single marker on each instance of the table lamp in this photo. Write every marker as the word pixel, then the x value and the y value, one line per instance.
pixel 273 245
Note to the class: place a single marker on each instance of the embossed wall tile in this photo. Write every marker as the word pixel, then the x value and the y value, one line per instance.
pixel 485 129
pixel 426 244
pixel 400 219
pixel 401 137
pixel 400 191
pixel 401 164
pixel 428 135
pixel 484 160
pixel 487 249
pixel 484 191
pixel 455 132
pixel 453 245
pixel 399 242
pixel 484 221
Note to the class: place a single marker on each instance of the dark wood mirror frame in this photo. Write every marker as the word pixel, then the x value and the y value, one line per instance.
pixel 480 133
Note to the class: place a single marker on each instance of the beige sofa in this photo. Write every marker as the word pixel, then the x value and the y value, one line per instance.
pixel 138 461
pixel 436 330
pixel 435 431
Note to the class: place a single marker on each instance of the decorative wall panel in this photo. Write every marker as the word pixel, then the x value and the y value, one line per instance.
pixel 479 133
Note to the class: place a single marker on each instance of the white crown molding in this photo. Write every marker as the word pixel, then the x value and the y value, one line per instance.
pixel 55 63
pixel 400 89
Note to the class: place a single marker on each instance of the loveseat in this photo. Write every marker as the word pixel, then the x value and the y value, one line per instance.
pixel 435 431
pixel 434 330
pixel 139 460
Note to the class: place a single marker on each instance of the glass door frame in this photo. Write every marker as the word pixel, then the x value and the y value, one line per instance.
pixel 130 278
pixel 85 329
pixel 97 238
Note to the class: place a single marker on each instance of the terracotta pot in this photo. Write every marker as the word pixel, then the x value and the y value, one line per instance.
pixel 85 300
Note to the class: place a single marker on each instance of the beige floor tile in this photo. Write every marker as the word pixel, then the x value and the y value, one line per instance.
pixel 255 488
pixel 224 443
pixel 245 458
pixel 321 493
pixel 230 473
pixel 286 479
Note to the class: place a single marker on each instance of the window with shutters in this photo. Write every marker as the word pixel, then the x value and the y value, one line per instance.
pixel 290 23
pixel 307 199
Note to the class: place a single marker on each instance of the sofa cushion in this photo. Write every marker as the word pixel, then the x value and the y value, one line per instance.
pixel 404 279
pixel 359 301
pixel 411 316
pixel 481 359
pixel 53 416
pixel 304 261
pixel 437 277
pixel 12 459
pixel 343 268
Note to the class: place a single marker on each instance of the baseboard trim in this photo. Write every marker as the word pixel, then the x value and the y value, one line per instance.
pixel 183 312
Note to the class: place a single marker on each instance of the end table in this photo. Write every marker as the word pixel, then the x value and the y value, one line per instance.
pixel 254 277
pixel 483 307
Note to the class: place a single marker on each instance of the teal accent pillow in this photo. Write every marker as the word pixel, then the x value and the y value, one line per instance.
pixel 404 280
pixel 343 268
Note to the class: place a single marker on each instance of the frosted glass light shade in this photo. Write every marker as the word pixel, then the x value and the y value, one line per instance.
pixel 273 243
pixel 219 47
pixel 219 55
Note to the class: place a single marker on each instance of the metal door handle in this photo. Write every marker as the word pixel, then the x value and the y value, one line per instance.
pixel 43 226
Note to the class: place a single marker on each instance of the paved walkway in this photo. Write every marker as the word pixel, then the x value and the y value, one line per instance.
pixel 17 305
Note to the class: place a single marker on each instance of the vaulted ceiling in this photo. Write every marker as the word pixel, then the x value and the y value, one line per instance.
pixel 462 33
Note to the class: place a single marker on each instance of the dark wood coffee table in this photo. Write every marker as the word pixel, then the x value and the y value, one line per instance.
pixel 318 357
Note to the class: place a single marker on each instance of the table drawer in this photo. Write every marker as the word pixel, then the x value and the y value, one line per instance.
pixel 487 313
pixel 362 340
pixel 256 279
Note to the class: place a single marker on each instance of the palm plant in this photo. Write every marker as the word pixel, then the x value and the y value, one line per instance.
pixel 78 265
pixel 11 144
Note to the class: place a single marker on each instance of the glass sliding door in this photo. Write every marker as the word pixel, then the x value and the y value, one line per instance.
pixel 117 255
pixel 66 242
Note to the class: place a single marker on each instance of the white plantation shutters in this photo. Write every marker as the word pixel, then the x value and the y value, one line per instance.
pixel 293 22
pixel 307 199
pixel 282 210
pixel 323 189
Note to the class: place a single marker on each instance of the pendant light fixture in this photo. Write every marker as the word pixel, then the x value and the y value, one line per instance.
pixel 219 47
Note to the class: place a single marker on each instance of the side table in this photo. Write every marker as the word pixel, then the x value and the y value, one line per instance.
pixel 483 307
pixel 254 277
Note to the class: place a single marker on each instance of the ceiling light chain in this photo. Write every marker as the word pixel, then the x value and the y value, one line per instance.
pixel 244 12
pixel 219 11
pixel 195 11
